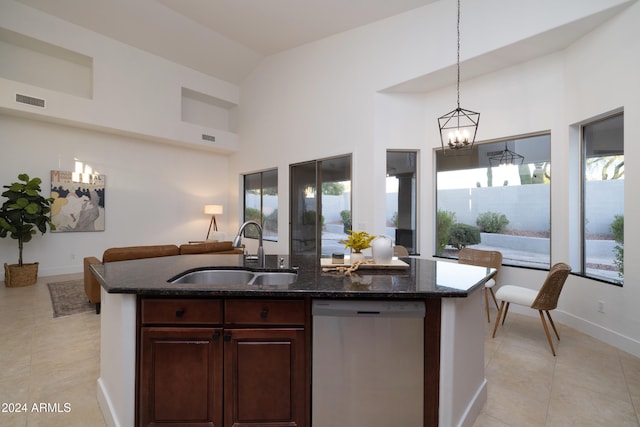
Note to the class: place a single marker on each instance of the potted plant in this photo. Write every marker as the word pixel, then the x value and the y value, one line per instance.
pixel 24 209
pixel 357 242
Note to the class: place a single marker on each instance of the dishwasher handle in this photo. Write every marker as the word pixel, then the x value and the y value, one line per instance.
pixel 368 308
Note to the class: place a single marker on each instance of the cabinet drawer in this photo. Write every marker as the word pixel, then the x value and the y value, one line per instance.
pixel 261 312
pixel 179 311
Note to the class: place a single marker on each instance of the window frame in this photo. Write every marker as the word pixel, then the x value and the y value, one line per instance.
pixel 415 208
pixel 484 146
pixel 249 233
pixel 583 261
pixel 318 187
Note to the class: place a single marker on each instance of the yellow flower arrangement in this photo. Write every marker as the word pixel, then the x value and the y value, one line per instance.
pixel 358 240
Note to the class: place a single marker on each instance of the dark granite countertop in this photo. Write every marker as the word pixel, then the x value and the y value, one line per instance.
pixel 422 279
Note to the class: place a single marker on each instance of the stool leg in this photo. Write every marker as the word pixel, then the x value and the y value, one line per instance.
pixel 493 295
pixel 553 325
pixel 506 309
pixel 486 303
pixel 546 331
pixel 495 328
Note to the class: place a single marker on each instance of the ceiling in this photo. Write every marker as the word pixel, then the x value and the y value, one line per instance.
pixel 222 38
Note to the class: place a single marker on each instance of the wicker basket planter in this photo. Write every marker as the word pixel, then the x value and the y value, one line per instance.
pixel 16 276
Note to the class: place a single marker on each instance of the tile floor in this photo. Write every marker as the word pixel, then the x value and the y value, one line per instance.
pixel 47 361
pixel 55 361
pixel 589 383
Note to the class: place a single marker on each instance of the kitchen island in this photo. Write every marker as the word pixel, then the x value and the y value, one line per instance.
pixel 139 342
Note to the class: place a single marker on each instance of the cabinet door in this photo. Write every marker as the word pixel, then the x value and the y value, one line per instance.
pixel 264 377
pixel 180 377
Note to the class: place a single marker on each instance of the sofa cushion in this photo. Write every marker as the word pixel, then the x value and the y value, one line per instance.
pixel 139 252
pixel 209 247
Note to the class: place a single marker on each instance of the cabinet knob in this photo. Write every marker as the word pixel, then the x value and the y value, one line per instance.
pixel 180 312
pixel 264 313
pixel 227 337
pixel 216 336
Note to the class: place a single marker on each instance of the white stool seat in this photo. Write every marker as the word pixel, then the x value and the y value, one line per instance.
pixel 490 283
pixel 544 300
pixel 517 295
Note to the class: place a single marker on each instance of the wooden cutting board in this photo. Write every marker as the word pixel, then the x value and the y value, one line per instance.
pixel 394 264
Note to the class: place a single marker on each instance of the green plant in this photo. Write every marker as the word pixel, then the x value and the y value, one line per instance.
pixel 492 222
pixel 346 220
pixel 358 240
pixel 444 221
pixel 254 215
pixel 617 227
pixel 462 235
pixel 24 209
pixel 271 221
pixel 332 188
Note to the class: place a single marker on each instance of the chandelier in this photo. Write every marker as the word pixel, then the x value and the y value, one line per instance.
pixel 506 158
pixel 458 127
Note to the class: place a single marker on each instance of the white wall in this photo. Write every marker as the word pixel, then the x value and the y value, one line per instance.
pixel 154 193
pixel 133 91
pixel 320 100
pixel 325 99
pixel 601 69
pixel 159 173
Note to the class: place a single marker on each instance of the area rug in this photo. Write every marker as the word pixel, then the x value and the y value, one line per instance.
pixel 69 298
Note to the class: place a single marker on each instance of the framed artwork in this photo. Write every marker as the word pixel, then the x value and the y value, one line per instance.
pixel 78 204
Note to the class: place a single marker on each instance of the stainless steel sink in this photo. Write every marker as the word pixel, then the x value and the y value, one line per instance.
pixel 236 277
pixel 216 277
pixel 274 278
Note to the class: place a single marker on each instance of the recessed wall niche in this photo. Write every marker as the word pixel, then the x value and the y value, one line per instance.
pixel 206 110
pixel 32 61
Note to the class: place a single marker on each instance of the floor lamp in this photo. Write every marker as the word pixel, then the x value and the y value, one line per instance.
pixel 212 210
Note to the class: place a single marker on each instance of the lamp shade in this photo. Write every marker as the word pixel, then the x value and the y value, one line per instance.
pixel 213 209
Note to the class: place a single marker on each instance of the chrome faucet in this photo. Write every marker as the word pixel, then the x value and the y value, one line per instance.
pixel 237 241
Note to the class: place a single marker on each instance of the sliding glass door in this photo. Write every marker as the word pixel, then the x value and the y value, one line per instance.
pixel 320 206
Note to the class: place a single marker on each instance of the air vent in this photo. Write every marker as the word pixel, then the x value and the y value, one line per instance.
pixel 208 137
pixel 29 100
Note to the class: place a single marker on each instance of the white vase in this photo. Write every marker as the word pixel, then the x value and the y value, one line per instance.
pixel 382 249
pixel 356 256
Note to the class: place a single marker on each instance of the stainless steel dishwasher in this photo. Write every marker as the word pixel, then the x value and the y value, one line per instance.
pixel 367 363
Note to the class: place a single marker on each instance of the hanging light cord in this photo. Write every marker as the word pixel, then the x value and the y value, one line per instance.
pixel 458 28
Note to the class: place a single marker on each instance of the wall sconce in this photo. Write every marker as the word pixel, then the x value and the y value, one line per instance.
pixel 212 210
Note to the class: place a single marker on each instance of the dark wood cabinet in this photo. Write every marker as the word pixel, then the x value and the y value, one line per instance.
pixel 180 377
pixel 222 363
pixel 264 377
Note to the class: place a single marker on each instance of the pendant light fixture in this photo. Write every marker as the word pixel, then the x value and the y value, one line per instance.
pixel 506 158
pixel 458 128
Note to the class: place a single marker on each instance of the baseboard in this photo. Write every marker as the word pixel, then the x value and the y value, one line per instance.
pixel 599 332
pixel 475 406
pixel 105 406
pixel 587 327
pixel 57 271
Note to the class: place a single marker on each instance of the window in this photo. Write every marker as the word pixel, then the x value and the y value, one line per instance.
pixel 261 203
pixel 402 198
pixel 603 198
pixel 504 208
